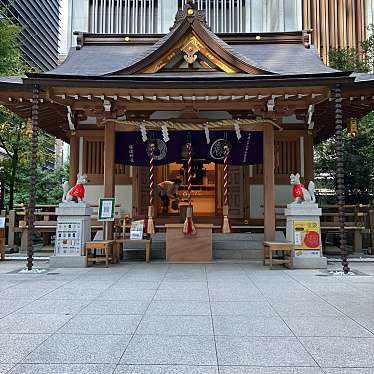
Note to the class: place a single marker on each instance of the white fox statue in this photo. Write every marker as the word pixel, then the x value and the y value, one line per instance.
pixel 299 192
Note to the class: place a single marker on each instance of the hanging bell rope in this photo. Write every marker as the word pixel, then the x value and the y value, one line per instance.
pixel 150 223
pixel 226 224
pixel 189 228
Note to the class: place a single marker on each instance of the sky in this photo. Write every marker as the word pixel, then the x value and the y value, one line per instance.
pixel 63 26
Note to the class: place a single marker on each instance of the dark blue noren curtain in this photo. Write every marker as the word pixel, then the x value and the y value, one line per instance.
pixel 131 150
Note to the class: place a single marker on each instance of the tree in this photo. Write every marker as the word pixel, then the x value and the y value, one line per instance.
pixel 15 140
pixel 358 150
pixel 15 134
pixel 10 54
pixel 358 163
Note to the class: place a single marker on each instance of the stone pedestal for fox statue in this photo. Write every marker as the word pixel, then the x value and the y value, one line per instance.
pixel 303 226
pixel 73 226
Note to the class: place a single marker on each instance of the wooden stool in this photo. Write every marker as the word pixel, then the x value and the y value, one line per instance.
pixel 285 247
pixel 147 246
pixel 2 249
pixel 106 247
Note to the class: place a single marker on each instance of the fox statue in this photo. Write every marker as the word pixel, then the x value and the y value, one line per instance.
pixel 77 192
pixel 299 192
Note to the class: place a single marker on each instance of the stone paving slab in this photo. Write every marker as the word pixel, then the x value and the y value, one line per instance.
pixel 176 325
pixel 179 308
pixel 62 369
pixel 102 324
pixel 341 352
pixel 272 370
pixel 102 307
pixel 165 369
pixel 15 347
pixel 349 371
pixel 188 294
pixel 262 351
pixel 4 368
pixel 246 308
pixel 127 294
pixel 250 326
pixel 52 306
pixel 33 324
pixel 87 349
pixel 8 305
pixel 170 350
pixel 326 326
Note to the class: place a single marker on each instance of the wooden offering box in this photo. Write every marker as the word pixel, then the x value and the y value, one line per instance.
pixel 189 248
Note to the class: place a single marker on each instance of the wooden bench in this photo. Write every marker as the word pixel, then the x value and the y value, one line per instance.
pixel 109 252
pixel 126 242
pixel 285 247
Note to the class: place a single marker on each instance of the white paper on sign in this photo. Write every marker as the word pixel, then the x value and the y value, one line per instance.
pixel 107 209
pixel 298 238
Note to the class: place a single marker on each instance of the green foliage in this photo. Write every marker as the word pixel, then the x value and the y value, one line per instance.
pixel 15 139
pixel 48 185
pixel 358 163
pixel 359 150
pixel 355 59
pixel 349 59
pixel 10 54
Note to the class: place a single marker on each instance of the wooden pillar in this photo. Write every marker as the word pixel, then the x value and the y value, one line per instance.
pixel 308 158
pixel 73 159
pixel 268 172
pixel 109 171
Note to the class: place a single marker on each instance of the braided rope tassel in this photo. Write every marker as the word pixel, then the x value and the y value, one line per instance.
pixel 189 173
pixel 150 223
pixel 226 224
pixel 225 175
pixel 189 228
pixel 151 175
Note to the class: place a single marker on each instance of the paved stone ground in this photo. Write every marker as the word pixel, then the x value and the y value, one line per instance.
pixel 186 319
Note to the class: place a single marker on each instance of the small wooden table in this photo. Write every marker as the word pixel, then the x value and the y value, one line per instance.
pixel 109 251
pixel 285 247
pixel 147 246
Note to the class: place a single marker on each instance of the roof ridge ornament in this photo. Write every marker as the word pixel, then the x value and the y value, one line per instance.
pixel 191 12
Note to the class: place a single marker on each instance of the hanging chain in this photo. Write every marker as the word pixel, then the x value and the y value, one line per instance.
pixel 340 177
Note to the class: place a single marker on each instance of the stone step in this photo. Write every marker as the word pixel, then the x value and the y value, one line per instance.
pixel 233 246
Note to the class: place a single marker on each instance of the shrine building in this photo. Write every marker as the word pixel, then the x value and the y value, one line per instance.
pixel 268 95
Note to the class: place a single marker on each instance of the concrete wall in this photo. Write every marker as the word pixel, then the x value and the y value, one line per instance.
pixel 123 196
pixel 283 195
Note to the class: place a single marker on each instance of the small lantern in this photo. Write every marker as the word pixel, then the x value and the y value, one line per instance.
pixel 353 127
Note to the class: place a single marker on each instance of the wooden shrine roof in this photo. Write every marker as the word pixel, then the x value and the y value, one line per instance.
pixel 267 75
pixel 276 54
pixel 157 57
